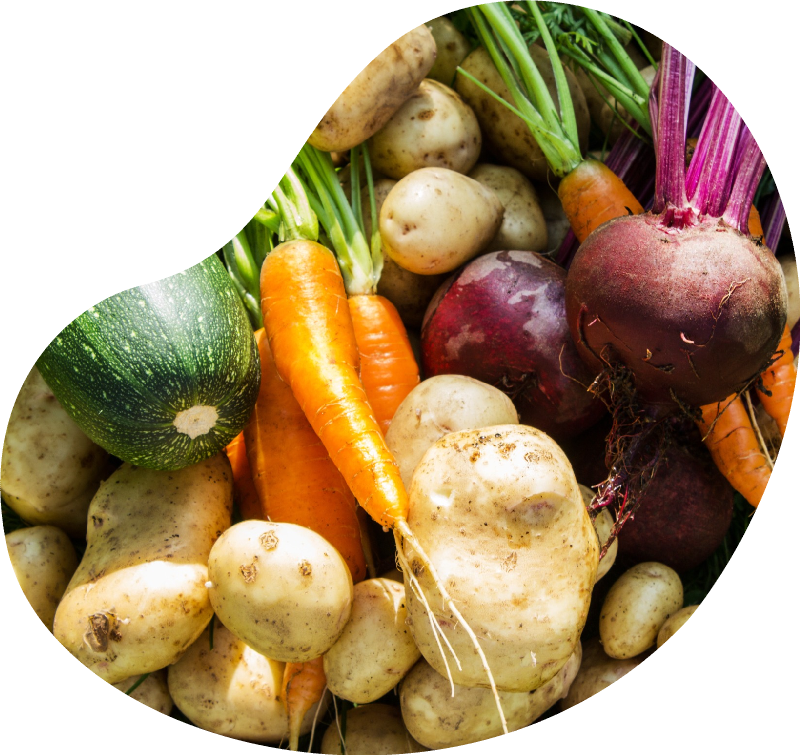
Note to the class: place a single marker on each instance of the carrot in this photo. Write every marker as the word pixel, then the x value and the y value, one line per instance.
pixel 777 384
pixel 591 194
pixel 311 336
pixel 295 478
pixel 729 436
pixel 304 685
pixel 244 491
pixel 388 368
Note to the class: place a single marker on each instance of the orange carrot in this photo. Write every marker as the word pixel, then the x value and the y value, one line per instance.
pixel 591 194
pixel 307 319
pixel 303 686
pixel 388 368
pixel 754 223
pixel 295 478
pixel 244 491
pixel 734 447
pixel 779 379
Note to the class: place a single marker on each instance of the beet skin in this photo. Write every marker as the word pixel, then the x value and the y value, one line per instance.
pixel 501 320
pixel 683 513
pixel 695 313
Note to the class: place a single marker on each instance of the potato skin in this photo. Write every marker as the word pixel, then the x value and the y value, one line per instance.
pixel 603 524
pixel 281 588
pixel 451 48
pixel 433 128
pixel 374 729
pixel 232 690
pixel 439 405
pixel 376 649
pixel 43 560
pixel 674 623
pixel 138 598
pixel 438 719
pixel 524 227
pixel 505 135
pixel 636 607
pixel 371 99
pixel 152 692
pixel 435 219
pixel 500 515
pixel 50 468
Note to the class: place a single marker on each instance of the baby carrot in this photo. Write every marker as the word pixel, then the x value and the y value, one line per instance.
pixel 244 491
pixel 388 368
pixel 303 686
pixel 779 380
pixel 729 436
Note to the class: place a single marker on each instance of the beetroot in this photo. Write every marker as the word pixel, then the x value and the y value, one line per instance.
pixel 500 319
pixel 695 313
pixel 683 513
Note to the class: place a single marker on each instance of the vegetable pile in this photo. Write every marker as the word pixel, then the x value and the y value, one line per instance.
pixel 458 430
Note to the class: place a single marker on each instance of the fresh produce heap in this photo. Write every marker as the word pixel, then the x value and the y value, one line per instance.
pixel 430 449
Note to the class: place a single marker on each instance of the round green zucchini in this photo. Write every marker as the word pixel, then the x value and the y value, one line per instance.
pixel 162 375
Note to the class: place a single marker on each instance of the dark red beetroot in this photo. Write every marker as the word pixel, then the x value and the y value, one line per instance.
pixel 500 319
pixel 683 513
pixel 694 312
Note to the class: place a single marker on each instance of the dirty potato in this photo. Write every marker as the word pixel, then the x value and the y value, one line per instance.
pixel 673 624
pixel 152 691
pixel 374 729
pixel 603 524
pixel 451 48
pixel 281 588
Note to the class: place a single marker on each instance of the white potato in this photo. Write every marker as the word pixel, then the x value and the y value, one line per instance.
pixel 376 649
pixel 603 524
pixel 282 589
pixel 44 561
pixel 50 468
pixel 674 623
pixel 597 671
pixel 232 690
pixel 524 227
pixel 433 128
pixel 152 692
pixel 451 48
pixel 139 598
pixel 436 718
pixel 500 515
pixel 435 219
pixel 440 405
pixel 505 135
pixel 376 93
pixel 636 607
pixel 409 292
pixel 374 729
pixel 554 216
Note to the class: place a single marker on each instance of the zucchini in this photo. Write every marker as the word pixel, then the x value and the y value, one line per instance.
pixel 162 375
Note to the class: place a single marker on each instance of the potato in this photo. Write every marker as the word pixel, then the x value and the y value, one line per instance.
pixel 50 468
pixel 451 48
pixel 371 99
pixel 500 515
pixel 139 596
pixel 281 588
pixel 439 405
pixel 673 624
pixel 152 692
pixel 524 227
pixel 597 671
pixel 376 649
pixel 43 560
pixel 433 128
pixel 435 219
pixel 232 690
pixel 375 729
pixel 505 135
pixel 438 719
pixel 603 524
pixel 554 216
pixel 409 292
pixel 636 607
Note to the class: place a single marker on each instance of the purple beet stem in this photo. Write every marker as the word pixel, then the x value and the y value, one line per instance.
pixel 772 220
pixel 750 165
